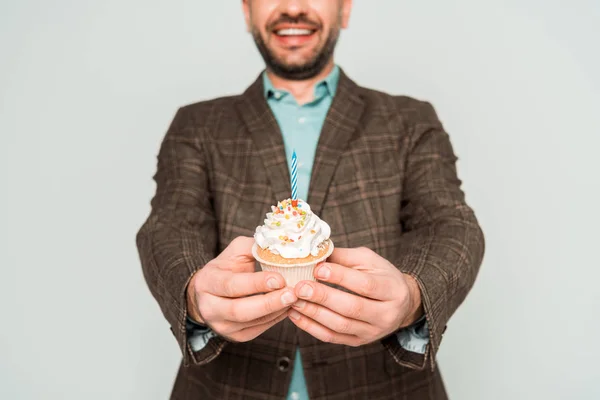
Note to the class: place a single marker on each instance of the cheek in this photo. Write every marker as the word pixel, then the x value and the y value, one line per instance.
pixel 257 19
pixel 328 11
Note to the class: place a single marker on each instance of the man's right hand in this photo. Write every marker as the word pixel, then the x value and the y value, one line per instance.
pixel 233 300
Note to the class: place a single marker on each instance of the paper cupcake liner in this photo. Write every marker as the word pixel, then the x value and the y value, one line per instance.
pixel 293 273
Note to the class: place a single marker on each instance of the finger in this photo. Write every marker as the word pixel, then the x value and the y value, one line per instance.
pixel 246 309
pixel 263 320
pixel 334 321
pixel 369 285
pixel 230 284
pixel 321 332
pixel 227 328
pixel 251 333
pixel 346 304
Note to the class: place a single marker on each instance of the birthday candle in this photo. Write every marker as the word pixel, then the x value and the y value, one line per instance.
pixel 294 176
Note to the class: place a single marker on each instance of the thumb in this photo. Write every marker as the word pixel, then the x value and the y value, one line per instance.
pixel 240 248
pixel 351 257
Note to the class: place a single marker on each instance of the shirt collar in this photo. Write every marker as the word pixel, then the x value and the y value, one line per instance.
pixel 325 87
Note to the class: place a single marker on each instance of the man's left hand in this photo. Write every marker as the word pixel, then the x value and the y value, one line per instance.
pixel 384 300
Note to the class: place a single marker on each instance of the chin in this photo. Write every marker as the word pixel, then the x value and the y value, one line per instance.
pixel 296 59
pixel 296 63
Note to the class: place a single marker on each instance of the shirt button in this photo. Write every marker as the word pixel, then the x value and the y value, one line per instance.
pixel 277 95
pixel 283 364
pixel 301 120
pixel 294 396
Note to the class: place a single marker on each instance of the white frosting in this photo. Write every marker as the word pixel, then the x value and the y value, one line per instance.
pixel 292 232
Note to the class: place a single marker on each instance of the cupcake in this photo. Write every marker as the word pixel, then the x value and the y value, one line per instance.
pixel 292 241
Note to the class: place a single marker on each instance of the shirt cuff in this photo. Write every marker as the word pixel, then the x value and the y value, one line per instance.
pixel 415 337
pixel 198 335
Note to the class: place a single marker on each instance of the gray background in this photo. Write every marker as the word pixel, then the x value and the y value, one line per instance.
pixel 88 88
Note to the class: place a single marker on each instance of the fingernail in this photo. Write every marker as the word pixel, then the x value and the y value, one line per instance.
pixel 272 283
pixel 300 304
pixel 287 298
pixel 306 291
pixel 294 314
pixel 324 272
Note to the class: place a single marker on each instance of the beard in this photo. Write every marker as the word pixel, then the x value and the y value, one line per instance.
pixel 306 70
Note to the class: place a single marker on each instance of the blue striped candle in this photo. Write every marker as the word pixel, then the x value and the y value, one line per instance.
pixel 294 176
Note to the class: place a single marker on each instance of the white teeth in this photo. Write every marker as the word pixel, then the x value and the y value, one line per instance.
pixel 294 32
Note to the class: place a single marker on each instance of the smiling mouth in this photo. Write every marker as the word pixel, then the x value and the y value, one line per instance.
pixel 294 32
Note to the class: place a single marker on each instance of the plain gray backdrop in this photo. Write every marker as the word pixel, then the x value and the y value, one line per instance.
pixel 88 89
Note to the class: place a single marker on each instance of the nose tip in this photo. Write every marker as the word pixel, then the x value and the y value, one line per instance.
pixel 294 7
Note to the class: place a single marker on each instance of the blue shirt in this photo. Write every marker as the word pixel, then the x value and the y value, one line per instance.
pixel 301 127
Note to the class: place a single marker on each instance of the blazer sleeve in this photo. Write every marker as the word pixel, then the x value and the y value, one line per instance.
pixel 443 245
pixel 180 235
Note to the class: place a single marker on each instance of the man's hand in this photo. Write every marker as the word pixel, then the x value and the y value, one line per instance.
pixel 236 302
pixel 385 300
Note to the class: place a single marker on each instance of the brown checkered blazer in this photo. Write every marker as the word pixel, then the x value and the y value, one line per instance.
pixel 384 177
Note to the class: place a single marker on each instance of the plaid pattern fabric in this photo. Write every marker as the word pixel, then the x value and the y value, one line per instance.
pixel 384 177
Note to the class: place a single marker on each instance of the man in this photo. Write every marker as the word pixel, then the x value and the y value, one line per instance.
pixel 378 168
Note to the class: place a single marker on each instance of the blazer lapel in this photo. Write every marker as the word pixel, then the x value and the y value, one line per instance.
pixel 342 120
pixel 339 126
pixel 265 133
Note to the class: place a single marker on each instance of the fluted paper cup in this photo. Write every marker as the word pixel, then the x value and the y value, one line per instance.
pixel 293 273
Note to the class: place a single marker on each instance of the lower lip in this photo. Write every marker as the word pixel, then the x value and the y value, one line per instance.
pixel 294 40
